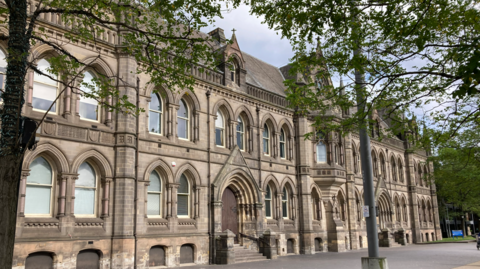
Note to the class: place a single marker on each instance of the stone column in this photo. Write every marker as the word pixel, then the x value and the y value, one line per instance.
pixel 123 242
pixel 412 196
pixel 72 196
pixel 30 87
pixel 62 195
pixel 197 202
pixel 106 197
pixel 22 191
pixel 304 181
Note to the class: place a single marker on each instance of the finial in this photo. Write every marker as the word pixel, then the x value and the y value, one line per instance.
pixel 233 30
pixel 341 82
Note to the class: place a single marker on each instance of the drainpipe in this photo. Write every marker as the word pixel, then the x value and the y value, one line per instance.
pixel 259 148
pixel 135 199
pixel 209 195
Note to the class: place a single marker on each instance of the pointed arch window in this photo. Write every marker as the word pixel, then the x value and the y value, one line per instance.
pixel 232 72
pixel 45 89
pixel 3 71
pixel 240 133
pixel 155 112
pixel 400 171
pixel 220 130
pixel 154 201
pixel 38 197
pixel 88 106
pixel 321 149
pixel 394 170
pixel 268 202
pixel 266 140
pixel 183 198
pixel 183 118
pixel 85 191
pixel 285 208
pixel 283 153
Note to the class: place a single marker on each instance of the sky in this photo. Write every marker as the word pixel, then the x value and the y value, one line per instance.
pixel 254 37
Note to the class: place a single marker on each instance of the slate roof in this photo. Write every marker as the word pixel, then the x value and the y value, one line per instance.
pixel 264 75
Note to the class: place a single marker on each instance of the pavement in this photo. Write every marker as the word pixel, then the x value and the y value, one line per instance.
pixel 424 256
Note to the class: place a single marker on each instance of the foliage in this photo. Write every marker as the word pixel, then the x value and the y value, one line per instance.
pixel 457 175
pixel 161 35
pixel 416 55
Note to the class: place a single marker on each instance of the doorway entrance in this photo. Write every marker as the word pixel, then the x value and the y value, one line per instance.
pixel 229 213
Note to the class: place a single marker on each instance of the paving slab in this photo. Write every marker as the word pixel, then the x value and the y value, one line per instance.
pixel 425 256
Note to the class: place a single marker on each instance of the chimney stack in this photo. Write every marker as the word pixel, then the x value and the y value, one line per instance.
pixel 218 35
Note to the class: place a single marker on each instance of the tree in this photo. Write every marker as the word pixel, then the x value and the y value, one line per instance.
pixel 163 36
pixel 415 54
pixel 457 178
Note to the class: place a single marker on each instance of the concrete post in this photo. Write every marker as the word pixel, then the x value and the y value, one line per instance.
pixel 374 263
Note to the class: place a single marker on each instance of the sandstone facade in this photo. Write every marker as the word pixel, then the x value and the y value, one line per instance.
pixel 314 199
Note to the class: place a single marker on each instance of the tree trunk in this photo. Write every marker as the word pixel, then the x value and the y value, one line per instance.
pixel 10 151
pixel 9 174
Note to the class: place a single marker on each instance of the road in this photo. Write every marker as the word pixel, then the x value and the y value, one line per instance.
pixel 425 256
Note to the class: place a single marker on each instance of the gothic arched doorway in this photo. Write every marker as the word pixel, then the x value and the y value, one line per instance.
pixel 229 212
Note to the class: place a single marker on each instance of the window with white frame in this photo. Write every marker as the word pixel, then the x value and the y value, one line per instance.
pixel 44 89
pixel 86 191
pixel 88 106
pixel 220 129
pixel 266 140
pixel 154 200
pixel 183 198
pixel 240 133
pixel 38 197
pixel 321 149
pixel 285 203
pixel 183 118
pixel 155 110
pixel 268 202
pixel 3 71
pixel 283 153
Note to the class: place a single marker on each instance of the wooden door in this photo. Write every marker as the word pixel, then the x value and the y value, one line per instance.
pixel 229 212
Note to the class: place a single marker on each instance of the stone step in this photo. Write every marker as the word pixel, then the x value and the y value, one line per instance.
pixel 250 259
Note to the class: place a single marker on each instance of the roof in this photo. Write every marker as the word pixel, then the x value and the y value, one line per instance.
pixel 264 75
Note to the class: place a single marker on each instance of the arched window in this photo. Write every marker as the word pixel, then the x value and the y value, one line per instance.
pixel 232 73
pixel 240 133
pixel 88 106
pixel 398 209
pixel 156 256
pixel 394 170
pixel 42 260
pixel 382 167
pixel 400 170
pixel 155 111
pixel 283 154
pixel 39 188
pixel 85 191
pixel 405 212
pixel 355 160
pixel 154 205
pixel 321 149
pixel 220 130
pixel 88 259
pixel 183 118
pixel 3 71
pixel 266 140
pixel 285 203
pixel 316 209
pixel 44 88
pixel 183 198
pixel 335 154
pixel 268 203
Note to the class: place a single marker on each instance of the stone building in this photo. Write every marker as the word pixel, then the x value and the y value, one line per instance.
pixel 109 190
